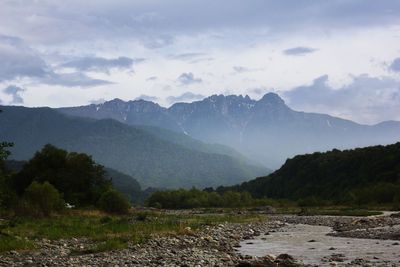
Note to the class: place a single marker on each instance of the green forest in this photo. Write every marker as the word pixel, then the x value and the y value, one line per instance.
pixel 55 179
pixel 359 177
pixel 369 175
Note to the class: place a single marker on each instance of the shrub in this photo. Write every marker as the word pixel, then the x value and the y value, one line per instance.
pixel 105 220
pixel 114 202
pixel 142 216
pixel 309 202
pixel 43 199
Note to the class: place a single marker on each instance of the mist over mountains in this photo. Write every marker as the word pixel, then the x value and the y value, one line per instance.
pixel 266 131
pixel 155 157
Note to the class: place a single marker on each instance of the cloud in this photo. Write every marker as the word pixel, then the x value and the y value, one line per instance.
pixel 147 98
pixel 18 60
pixel 257 91
pixel 187 56
pixel 155 21
pixel 299 51
pixel 366 99
pixel 14 91
pixel 191 58
pixel 158 41
pixel 152 78
pixel 185 97
pixel 100 64
pixel 395 66
pixel 188 78
pixel 75 79
pixel 240 69
pixel 97 101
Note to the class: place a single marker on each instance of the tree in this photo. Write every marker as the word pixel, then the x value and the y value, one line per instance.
pixel 76 175
pixel 114 202
pixel 6 195
pixel 43 198
pixel 4 152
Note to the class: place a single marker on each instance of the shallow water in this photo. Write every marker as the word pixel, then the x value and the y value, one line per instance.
pixel 295 240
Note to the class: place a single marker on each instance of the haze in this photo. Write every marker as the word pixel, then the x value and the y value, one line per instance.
pixel 336 57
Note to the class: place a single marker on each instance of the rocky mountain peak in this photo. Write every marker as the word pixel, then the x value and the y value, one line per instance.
pixel 272 98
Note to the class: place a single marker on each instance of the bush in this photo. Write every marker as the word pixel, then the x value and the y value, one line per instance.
pixel 43 199
pixel 309 202
pixel 142 216
pixel 114 202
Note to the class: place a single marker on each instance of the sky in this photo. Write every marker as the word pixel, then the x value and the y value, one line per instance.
pixel 340 57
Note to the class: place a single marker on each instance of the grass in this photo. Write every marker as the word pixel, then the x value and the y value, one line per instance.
pixel 115 232
pixel 8 243
pixel 108 232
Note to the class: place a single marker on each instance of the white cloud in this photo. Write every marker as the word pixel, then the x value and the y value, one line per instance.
pixel 365 99
pixel 187 78
pixel 236 46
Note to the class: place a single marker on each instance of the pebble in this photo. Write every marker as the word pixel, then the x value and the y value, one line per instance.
pixel 211 246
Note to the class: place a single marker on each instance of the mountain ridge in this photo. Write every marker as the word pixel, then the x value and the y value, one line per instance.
pixel 255 128
pixel 153 161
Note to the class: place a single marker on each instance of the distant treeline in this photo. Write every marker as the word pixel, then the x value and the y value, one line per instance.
pixel 195 198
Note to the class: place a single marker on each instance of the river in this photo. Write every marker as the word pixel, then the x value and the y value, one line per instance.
pixel 311 245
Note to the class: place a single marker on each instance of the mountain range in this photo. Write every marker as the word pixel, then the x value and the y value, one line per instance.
pixel 265 130
pixel 155 157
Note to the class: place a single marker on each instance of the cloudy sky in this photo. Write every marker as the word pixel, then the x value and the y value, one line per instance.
pixel 340 57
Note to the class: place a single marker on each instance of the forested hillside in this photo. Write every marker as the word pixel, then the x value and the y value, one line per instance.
pixel 363 175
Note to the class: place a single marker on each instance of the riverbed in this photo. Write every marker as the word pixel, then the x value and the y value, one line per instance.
pixel 311 245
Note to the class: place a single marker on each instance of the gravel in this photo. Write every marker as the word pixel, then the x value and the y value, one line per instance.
pixel 212 246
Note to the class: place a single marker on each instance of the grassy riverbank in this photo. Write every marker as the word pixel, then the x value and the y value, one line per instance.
pixel 107 232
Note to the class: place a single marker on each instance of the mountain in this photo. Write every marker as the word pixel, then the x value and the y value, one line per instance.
pixel 370 174
pixel 267 130
pixel 140 153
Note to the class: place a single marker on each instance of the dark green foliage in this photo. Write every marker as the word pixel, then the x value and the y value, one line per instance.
pixel 114 202
pixel 4 150
pixel 194 198
pixel 8 198
pixel 6 194
pixel 77 176
pixel 42 199
pixel 384 193
pixel 126 185
pixel 122 182
pixel 364 175
pixel 137 152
